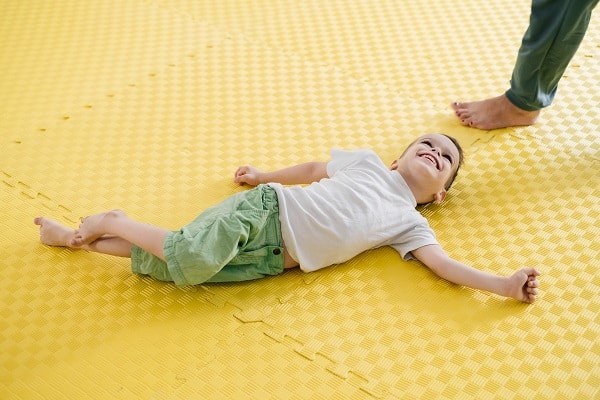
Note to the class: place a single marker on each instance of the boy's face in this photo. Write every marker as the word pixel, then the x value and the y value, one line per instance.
pixel 427 165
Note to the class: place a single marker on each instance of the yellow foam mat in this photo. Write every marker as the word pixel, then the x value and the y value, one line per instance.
pixel 149 106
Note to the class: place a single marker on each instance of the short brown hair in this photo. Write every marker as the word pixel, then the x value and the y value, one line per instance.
pixel 461 160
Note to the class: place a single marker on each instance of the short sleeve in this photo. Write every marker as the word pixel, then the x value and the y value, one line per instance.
pixel 419 236
pixel 342 159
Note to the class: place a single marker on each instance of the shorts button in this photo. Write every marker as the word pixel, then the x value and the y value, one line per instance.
pixel 276 252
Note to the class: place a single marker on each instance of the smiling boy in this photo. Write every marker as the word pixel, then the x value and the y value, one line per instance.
pixel 349 204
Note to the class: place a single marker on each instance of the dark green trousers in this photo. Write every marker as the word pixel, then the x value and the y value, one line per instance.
pixel 556 28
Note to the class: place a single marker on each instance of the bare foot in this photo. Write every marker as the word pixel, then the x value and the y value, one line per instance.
pixel 53 233
pixel 94 227
pixel 494 113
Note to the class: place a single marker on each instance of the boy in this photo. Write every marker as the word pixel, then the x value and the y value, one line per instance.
pixel 353 203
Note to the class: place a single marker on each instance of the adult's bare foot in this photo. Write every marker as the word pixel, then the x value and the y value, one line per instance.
pixel 493 113
pixel 94 227
pixel 53 233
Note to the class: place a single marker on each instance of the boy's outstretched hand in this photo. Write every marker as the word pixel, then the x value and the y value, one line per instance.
pixel 247 174
pixel 523 285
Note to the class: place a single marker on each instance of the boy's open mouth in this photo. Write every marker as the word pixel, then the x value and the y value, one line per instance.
pixel 432 159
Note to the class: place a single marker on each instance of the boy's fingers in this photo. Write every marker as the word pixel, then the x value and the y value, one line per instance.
pixel 533 283
pixel 532 298
pixel 532 290
pixel 531 271
pixel 241 170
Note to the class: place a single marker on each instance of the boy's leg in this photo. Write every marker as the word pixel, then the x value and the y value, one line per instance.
pixel 112 245
pixel 53 233
pixel 116 223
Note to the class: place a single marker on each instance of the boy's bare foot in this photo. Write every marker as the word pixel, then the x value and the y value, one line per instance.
pixel 94 227
pixel 53 233
pixel 494 113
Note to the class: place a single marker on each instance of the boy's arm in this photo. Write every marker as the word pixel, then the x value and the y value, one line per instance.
pixel 298 174
pixel 522 285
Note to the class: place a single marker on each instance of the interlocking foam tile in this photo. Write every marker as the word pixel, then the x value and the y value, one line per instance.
pixel 149 106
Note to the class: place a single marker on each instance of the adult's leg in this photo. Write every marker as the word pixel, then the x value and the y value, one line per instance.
pixel 556 29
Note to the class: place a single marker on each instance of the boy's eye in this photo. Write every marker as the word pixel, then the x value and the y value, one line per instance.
pixel 446 156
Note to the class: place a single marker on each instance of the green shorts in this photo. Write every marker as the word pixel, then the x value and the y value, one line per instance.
pixel 238 239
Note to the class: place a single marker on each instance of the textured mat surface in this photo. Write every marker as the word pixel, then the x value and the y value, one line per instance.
pixel 150 106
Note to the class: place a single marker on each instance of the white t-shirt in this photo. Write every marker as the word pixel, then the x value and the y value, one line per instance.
pixel 362 205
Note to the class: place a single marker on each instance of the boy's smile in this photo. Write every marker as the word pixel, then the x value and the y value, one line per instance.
pixel 431 159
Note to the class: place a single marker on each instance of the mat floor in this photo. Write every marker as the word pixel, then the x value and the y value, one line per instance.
pixel 149 106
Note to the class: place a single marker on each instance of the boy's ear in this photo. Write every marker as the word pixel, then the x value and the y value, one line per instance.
pixel 439 196
pixel 394 165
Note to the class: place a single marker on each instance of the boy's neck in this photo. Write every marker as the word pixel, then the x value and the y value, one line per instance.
pixel 421 196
